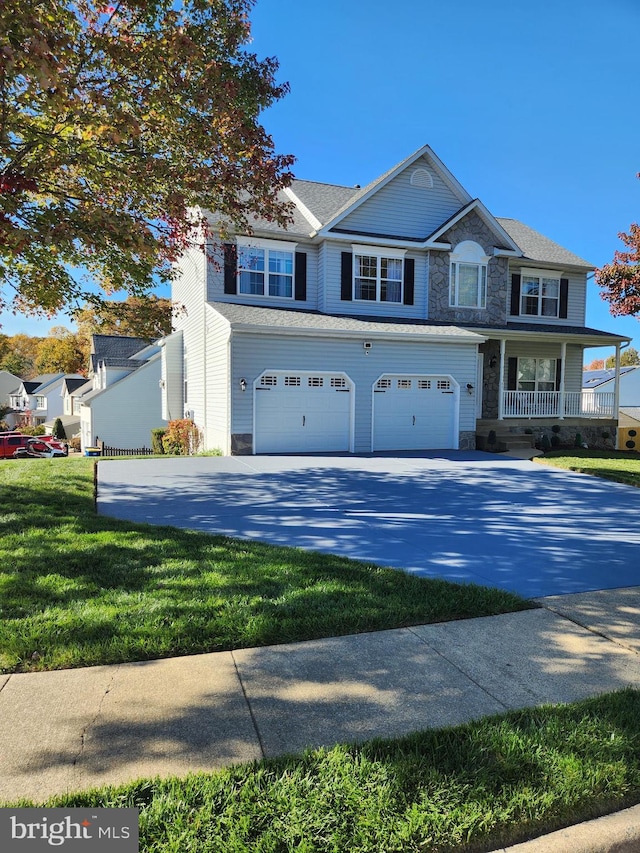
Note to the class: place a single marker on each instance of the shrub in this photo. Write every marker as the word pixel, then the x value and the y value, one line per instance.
pixel 75 443
pixel 157 435
pixel 182 438
pixel 578 441
pixel 555 440
pixel 57 431
pixel 556 428
pixel 32 430
pixel 545 444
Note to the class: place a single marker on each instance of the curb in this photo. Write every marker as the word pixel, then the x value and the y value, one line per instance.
pixel 614 833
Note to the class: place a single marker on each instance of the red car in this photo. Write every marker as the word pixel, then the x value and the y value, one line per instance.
pixel 39 448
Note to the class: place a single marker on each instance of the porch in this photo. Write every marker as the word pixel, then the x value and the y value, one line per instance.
pixel 557 404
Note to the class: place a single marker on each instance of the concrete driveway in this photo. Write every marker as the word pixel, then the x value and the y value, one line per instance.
pixel 464 516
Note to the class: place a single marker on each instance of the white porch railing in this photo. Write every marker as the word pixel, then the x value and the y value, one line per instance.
pixel 554 404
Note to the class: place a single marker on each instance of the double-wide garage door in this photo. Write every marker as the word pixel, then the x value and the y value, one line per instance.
pixel 302 412
pixel 414 412
pixel 307 412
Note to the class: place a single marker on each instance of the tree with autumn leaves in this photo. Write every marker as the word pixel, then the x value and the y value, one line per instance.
pixel 116 122
pixel 620 280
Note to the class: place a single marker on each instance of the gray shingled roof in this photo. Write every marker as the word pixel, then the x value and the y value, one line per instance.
pixel 323 200
pixel 299 227
pixel 537 247
pixel 258 316
pixel 116 346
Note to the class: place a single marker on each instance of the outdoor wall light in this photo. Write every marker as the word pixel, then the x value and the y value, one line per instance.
pixel 469 388
pixel 243 384
pixel 493 361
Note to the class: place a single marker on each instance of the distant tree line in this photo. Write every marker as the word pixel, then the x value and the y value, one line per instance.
pixel 66 351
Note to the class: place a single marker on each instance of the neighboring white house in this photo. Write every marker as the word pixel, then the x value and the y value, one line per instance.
pixel 39 400
pixel 8 383
pixel 124 402
pixel 603 381
pixel 400 315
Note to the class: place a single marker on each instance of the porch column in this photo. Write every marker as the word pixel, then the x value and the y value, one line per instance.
pixel 503 345
pixel 616 386
pixel 563 359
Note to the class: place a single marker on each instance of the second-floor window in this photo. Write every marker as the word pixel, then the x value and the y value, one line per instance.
pixel 41 402
pixel 468 276
pixel 540 295
pixel 377 277
pixel 265 271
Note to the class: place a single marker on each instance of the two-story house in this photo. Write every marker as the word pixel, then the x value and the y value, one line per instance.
pixel 122 404
pixel 39 400
pixel 397 316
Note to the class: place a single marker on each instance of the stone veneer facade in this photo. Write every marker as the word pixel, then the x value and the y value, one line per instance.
pixel 495 314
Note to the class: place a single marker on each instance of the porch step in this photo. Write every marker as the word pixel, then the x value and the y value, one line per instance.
pixel 504 443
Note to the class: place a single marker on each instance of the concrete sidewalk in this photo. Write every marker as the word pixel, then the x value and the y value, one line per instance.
pixel 72 729
pixel 68 730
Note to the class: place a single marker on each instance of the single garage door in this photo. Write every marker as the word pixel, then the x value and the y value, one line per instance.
pixel 302 412
pixel 412 412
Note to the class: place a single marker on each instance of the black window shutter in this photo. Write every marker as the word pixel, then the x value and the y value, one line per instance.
pixel 515 295
pixel 230 268
pixel 301 276
pixel 564 297
pixel 346 280
pixel 409 275
pixel 512 374
pixel 558 373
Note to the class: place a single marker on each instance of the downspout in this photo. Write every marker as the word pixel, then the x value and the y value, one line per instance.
pixel 616 385
pixel 563 361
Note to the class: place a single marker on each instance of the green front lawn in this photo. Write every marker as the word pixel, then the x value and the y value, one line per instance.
pixel 475 787
pixel 609 464
pixel 77 589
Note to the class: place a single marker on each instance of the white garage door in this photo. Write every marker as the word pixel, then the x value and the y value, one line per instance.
pixel 302 412
pixel 414 413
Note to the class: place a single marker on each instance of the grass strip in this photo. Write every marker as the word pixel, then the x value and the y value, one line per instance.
pixel 613 465
pixel 475 787
pixel 77 589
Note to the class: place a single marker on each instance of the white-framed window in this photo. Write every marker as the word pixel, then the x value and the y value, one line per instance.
pixel 266 268
pixel 537 374
pixel 540 293
pixel 41 402
pixel 378 274
pixel 468 276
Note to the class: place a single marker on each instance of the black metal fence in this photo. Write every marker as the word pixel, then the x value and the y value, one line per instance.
pixel 105 450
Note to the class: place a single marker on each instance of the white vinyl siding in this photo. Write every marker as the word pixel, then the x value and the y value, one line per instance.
pixel 172 381
pixel 576 303
pixel 216 424
pixel 189 293
pixel 252 354
pixel 400 209
pixel 124 414
pixel 332 267
pixel 215 283
pixel 534 349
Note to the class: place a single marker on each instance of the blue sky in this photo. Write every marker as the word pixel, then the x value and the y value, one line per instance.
pixel 532 106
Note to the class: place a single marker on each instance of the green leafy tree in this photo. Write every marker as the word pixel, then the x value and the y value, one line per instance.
pixel 118 124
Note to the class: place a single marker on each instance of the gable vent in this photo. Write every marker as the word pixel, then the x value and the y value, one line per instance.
pixel 422 178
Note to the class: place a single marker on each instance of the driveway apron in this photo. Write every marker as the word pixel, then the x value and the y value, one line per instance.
pixel 468 517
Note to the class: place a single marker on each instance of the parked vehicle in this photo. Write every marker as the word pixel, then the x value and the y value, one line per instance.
pixel 10 442
pixel 36 448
